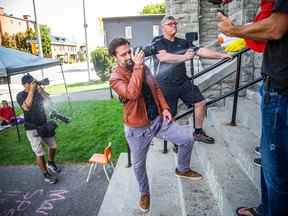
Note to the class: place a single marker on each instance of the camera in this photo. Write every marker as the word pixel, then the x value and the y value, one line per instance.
pixel 218 2
pixel 150 49
pixel 57 116
pixel 190 38
pixel 44 82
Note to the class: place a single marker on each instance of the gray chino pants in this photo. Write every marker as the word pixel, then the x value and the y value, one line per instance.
pixel 139 140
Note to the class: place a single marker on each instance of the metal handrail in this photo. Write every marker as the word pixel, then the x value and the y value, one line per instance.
pixel 211 102
pixel 219 63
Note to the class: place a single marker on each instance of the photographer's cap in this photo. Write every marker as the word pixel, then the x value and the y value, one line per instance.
pixel 167 18
pixel 27 79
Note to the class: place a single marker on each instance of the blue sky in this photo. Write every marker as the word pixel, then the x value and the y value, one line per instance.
pixel 65 17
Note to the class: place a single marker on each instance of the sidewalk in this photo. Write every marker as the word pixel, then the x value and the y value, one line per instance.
pixel 74 73
pixel 102 94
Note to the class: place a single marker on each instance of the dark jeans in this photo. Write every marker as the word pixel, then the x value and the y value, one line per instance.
pixel 274 153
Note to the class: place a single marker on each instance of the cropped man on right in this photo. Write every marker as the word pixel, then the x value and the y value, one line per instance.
pixel 274 107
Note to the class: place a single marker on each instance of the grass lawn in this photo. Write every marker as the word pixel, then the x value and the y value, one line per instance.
pixel 93 125
pixel 76 87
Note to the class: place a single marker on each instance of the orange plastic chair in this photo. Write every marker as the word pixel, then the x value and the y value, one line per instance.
pixel 103 159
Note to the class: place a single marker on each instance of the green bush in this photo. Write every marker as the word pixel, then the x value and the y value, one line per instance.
pixel 102 62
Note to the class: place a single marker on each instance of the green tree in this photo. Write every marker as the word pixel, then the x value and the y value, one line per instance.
pixel 46 40
pixel 159 8
pixel 8 41
pixel 21 43
pixel 102 62
pixel 20 40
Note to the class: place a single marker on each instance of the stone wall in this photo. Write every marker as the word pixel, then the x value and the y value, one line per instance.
pixel 208 22
pixel 186 12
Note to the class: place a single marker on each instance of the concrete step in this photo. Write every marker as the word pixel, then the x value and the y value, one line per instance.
pixel 254 94
pixel 123 192
pixel 194 197
pixel 121 197
pixel 170 195
pixel 228 182
pixel 248 113
pixel 197 196
pixel 217 74
pixel 165 195
pixel 241 143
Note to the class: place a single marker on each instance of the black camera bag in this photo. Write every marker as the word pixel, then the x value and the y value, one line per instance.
pixel 47 130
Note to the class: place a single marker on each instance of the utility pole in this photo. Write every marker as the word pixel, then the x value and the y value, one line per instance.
pixel 38 35
pixel 86 40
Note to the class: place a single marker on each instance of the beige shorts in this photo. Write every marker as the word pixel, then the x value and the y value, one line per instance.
pixel 37 142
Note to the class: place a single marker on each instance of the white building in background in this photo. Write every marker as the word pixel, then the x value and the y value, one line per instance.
pixel 12 25
pixel 64 49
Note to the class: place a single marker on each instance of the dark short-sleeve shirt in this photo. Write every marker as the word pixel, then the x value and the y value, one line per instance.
pixel 275 60
pixel 171 73
pixel 36 115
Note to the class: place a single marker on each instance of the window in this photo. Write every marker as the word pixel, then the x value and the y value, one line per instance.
pixel 155 30
pixel 128 32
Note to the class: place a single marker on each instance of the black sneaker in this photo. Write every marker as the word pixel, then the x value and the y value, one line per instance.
pixel 257 150
pixel 52 167
pixel 49 178
pixel 203 137
pixel 258 162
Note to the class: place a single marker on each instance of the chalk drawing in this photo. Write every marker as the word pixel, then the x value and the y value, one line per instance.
pixel 23 200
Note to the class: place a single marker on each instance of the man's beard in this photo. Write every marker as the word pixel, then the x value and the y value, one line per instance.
pixel 129 65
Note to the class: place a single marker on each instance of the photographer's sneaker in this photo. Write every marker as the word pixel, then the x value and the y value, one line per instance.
pixel 52 167
pixel 49 178
pixel 190 174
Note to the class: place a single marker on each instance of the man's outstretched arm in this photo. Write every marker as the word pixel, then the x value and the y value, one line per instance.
pixel 271 28
pixel 211 54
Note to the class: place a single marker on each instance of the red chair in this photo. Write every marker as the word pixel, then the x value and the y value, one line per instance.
pixel 103 159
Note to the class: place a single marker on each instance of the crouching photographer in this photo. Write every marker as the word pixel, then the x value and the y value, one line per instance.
pixel 38 129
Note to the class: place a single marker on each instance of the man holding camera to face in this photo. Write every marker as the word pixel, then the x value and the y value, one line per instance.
pixel 31 101
pixel 146 115
pixel 171 73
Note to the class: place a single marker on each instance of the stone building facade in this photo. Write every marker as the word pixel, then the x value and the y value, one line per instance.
pixel 200 16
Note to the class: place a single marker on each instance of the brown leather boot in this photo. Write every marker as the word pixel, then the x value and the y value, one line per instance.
pixel 190 174
pixel 144 203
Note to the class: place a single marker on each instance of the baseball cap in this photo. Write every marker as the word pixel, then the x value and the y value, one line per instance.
pixel 27 79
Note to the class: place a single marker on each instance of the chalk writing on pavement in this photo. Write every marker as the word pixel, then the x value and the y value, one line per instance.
pixel 20 201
